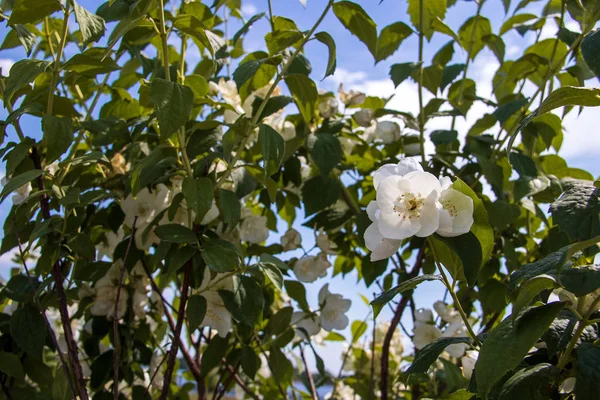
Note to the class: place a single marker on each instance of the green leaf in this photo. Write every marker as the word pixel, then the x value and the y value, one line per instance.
pixel 195 311
pixel 27 11
pixel 282 39
pixel 90 64
pixel 28 329
pixel 328 41
pixel 399 72
pixel 530 289
pixel 19 181
pixel 198 195
pixel 580 280
pixel 561 331
pixel 274 275
pixel 272 147
pixel 531 383
pixel 229 206
pixel 58 136
pixel 515 20
pixel 432 9
pixel 192 26
pixel 481 226
pixel 430 353
pixel 450 73
pixel 92 27
pixel 220 256
pixel 124 26
pixel 198 85
pixel 246 27
pixel 274 104
pixel 508 343
pixel 576 212
pixel 280 321
pixel 587 385
pixel 325 151
pixel 246 302
pixel 282 367
pixel 176 233
pixel 462 94
pixel 439 26
pixel 320 192
pixel 468 248
pixel 297 291
pixel 410 284
pixel 590 50
pixel 246 71
pixel 496 45
pixel 357 21
pixel 304 91
pixel 390 39
pixel 10 364
pixel 358 328
pixel 22 73
pixel 249 361
pixel 214 353
pixel 471 34
pixel 173 104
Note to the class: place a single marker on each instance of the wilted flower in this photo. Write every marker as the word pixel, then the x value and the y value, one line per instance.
pixel 119 164
pixel 364 117
pixel 310 268
pixel 351 98
pixel 333 309
pixel 291 240
pixel 323 242
pixel 328 107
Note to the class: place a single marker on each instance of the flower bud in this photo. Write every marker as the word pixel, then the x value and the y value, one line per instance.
pixel 364 117
pixel 328 107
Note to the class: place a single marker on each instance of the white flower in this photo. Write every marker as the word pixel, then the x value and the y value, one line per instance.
pixel 145 205
pixel 456 329
pixel 211 215
pixel 217 317
pixel 404 166
pixel 323 242
pixel 408 205
pixel 412 149
pixel 333 309
pixel 307 322
pixel 456 216
pixel 156 365
pixel 425 334
pixel 328 108
pixel 286 129
pixel 468 362
pixel 347 144
pixel 254 229
pixel 351 98
pixel 106 294
pixel 342 392
pixel 110 242
pixel 264 369
pixel 568 385
pixel 291 240
pixel 380 247
pixel 387 131
pixel 310 268
pixel 229 92
pixel 21 193
pixel 364 117
pixel 423 316
pixel 53 168
pixel 446 312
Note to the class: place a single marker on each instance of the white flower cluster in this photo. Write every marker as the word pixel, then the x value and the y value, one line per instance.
pixel 310 268
pixel 426 332
pixel 411 202
pixel 332 315
pixel 217 317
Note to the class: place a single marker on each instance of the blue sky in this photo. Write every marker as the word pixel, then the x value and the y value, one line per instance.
pixel 356 70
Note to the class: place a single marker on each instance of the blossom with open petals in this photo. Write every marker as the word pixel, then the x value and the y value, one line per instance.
pixel 291 240
pixel 21 193
pixel 254 229
pixel 310 268
pixel 323 242
pixel 424 334
pixel 216 316
pixel 306 323
pixel 468 363
pixel 328 108
pixel 456 214
pixel 446 312
pixel 333 309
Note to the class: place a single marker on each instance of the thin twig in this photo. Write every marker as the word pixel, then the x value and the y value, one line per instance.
pixel 117 341
pixel 311 382
pixel 373 341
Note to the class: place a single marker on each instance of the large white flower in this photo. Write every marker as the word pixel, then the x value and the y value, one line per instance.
pixel 456 329
pixel 423 316
pixel 310 268
pixel 333 309
pixel 254 229
pixel 381 248
pixel 286 129
pixel 291 240
pixel 408 205
pixel 468 363
pixel 323 242
pixel 217 317
pixel 110 242
pixel 307 323
pixel 456 215
pixel 404 166
pixel 424 334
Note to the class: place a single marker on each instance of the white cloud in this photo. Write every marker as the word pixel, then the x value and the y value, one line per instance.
pixel 5 65
pixel 249 9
